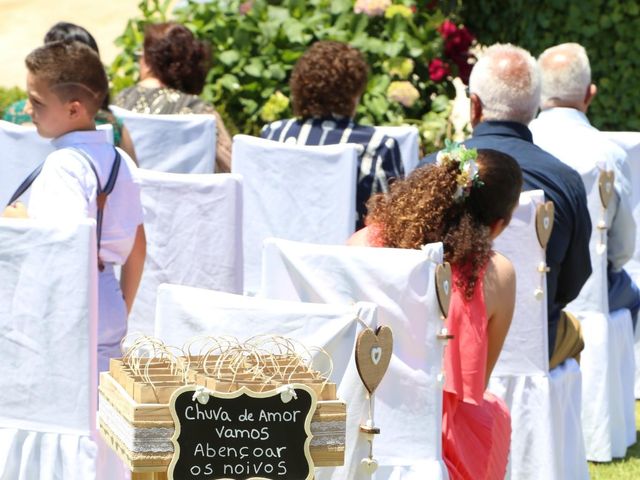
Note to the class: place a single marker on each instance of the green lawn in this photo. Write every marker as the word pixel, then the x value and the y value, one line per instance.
pixel 627 468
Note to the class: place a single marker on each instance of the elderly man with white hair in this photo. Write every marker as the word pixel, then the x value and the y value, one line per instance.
pixel 563 129
pixel 505 94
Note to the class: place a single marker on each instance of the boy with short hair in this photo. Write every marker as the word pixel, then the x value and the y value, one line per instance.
pixel 66 84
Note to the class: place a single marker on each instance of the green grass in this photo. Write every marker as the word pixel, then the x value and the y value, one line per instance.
pixel 627 468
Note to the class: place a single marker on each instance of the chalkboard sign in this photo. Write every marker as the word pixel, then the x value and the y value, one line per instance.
pixel 242 435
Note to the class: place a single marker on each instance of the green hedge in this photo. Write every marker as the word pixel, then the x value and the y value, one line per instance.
pixel 608 29
pixel 256 43
pixel 9 96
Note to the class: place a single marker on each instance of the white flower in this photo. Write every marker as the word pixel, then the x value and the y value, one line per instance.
pixel 443 158
pixel 470 168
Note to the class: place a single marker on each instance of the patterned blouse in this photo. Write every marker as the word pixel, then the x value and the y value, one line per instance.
pixel 379 158
pixel 15 114
pixel 166 101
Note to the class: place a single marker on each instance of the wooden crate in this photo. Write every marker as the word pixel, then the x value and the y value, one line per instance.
pixel 133 415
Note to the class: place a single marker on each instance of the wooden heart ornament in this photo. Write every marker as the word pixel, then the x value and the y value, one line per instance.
pixel 544 222
pixel 443 287
pixel 605 185
pixel 373 354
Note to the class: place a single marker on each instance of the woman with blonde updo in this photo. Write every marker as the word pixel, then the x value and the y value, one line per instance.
pixel 464 201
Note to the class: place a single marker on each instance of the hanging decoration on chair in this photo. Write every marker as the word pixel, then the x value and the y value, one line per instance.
pixel 605 187
pixel 373 354
pixel 443 287
pixel 544 227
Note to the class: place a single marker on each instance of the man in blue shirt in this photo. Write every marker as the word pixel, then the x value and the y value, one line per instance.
pixel 505 94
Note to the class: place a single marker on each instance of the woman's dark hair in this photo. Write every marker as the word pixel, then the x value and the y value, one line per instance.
pixel 421 209
pixel 176 57
pixel 70 32
pixel 328 79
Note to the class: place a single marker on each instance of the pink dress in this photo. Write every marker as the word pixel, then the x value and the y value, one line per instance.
pixel 476 425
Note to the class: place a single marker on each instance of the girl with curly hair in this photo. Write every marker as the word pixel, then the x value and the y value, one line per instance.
pixel 465 201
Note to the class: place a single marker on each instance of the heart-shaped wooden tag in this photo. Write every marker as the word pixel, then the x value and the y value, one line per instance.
pixel 605 185
pixel 373 354
pixel 443 287
pixel 544 222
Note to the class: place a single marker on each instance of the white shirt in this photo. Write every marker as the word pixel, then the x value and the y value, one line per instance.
pixel 567 134
pixel 66 190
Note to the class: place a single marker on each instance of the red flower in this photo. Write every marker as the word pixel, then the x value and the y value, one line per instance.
pixel 447 29
pixel 458 42
pixel 438 70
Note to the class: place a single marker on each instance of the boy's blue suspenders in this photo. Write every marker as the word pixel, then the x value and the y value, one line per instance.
pixel 101 197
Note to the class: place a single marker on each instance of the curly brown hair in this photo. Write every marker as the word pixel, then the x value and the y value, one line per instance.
pixel 328 79
pixel 421 209
pixel 176 57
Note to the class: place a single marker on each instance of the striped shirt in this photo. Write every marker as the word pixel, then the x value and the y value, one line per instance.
pixel 379 158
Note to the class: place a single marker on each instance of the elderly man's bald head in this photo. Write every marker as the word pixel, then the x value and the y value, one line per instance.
pixel 566 76
pixel 507 82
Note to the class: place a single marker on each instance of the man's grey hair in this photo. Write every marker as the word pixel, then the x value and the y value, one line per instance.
pixel 566 75
pixel 506 78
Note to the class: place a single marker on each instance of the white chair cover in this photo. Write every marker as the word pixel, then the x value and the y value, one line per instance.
pixel 407 137
pixel 546 439
pixel 194 236
pixel 408 402
pixel 172 143
pixel 630 142
pixel 22 151
pixel 48 334
pixel 607 361
pixel 185 312
pixel 304 193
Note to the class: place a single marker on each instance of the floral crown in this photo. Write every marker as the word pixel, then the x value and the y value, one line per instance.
pixel 468 177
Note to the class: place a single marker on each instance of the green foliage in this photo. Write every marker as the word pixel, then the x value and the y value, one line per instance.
pixel 256 44
pixel 10 95
pixel 608 29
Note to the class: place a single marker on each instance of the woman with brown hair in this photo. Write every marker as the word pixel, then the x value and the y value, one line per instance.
pixel 464 201
pixel 173 70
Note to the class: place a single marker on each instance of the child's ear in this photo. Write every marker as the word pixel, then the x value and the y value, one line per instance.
pixel 75 109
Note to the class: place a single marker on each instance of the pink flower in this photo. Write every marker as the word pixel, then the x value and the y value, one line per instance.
pixel 438 70
pixel 447 29
pixel 245 7
pixel 372 8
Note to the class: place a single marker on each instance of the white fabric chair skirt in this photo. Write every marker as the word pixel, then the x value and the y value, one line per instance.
pixel 630 142
pixel 185 312
pixel 31 455
pixel 295 192
pixel 408 403
pixel 608 369
pixel 172 143
pixel 546 438
pixel 407 137
pixel 544 443
pixel 48 332
pixel 193 224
